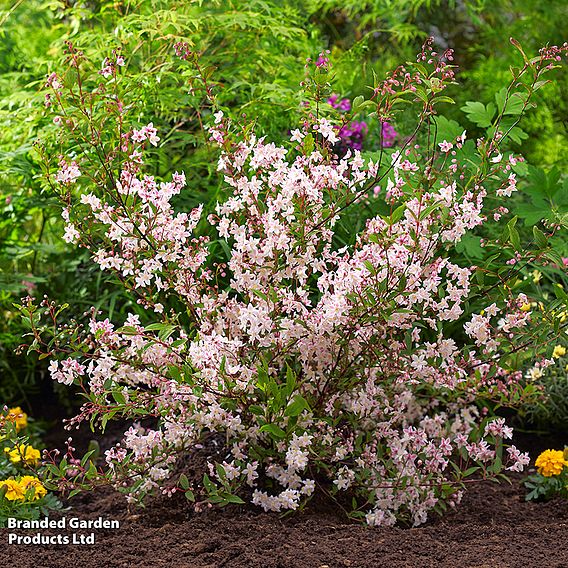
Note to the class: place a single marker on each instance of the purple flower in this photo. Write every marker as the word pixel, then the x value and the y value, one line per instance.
pixel 352 135
pixel 344 105
pixel 323 60
pixel 389 135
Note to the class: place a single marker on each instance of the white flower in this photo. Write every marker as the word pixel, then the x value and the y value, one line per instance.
pixel 325 128
pixel 297 136
pixel 71 234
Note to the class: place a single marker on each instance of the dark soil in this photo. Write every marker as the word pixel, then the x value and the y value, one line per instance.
pixel 493 528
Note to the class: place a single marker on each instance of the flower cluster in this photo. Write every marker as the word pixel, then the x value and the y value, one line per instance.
pixel 23 493
pixel 110 65
pixel 68 171
pixel 24 454
pixel 558 352
pixel 358 361
pixel 352 134
pixel 25 488
pixel 389 135
pixel 341 105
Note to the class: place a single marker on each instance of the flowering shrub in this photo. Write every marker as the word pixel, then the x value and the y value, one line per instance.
pixel 551 478
pixel 22 495
pixel 357 366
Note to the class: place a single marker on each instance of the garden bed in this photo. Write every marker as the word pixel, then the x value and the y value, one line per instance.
pixel 493 527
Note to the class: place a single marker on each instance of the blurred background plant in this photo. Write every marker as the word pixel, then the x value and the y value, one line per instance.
pixel 251 54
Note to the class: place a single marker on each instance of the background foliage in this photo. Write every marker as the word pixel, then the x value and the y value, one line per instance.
pixel 252 53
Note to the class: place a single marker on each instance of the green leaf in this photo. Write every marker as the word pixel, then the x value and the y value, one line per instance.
pixel 447 129
pixel 518 46
pixel 470 245
pixel 357 102
pixel 104 422
pixel 274 430
pixel 513 106
pixel 559 292
pixel 443 99
pixel 183 481
pixel 260 294
pixel 397 214
pixel 86 457
pixel 479 114
pixel 369 266
pixel 532 215
pixel 540 238
pixel 220 472
pixel 208 484
pixel 308 143
pixel 297 406
pixel 290 380
pixel 514 234
pixel 256 409
pixel 118 397
pixel 471 471
pixel 230 498
pixel 262 378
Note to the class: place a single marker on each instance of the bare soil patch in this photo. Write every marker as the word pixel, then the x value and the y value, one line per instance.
pixel 493 528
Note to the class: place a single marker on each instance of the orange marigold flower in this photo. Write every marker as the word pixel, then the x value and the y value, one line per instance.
pixel 24 453
pixel 18 416
pixel 28 482
pixel 551 462
pixel 14 491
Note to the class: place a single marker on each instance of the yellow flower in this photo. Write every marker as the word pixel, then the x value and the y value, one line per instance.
pixel 526 307
pixel 536 276
pixel 27 454
pixel 18 416
pixel 559 351
pixel 28 482
pixel 550 462
pixel 14 491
